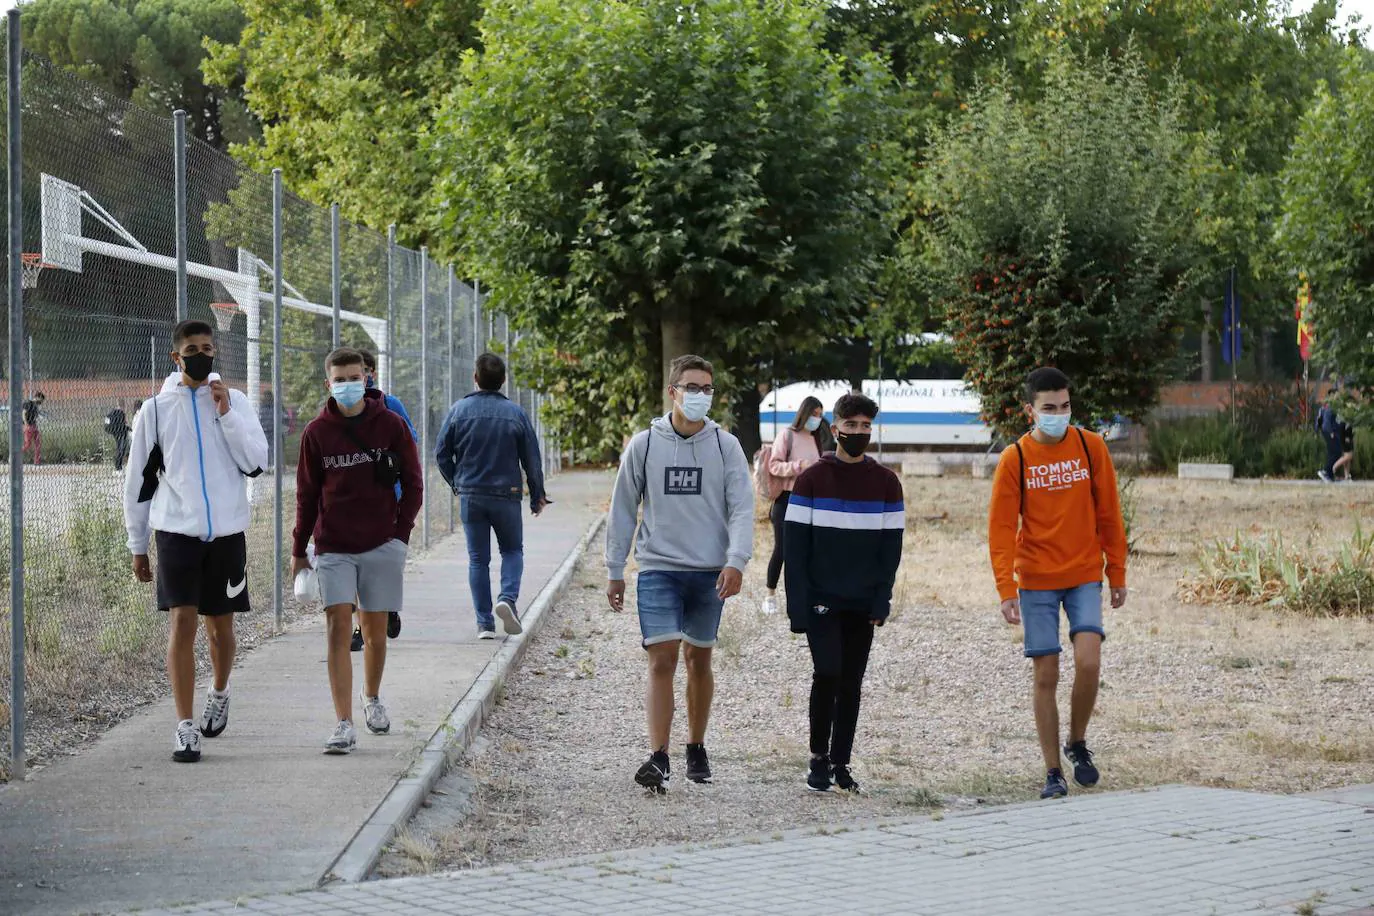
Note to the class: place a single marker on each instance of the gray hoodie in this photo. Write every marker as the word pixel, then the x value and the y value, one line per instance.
pixel 698 498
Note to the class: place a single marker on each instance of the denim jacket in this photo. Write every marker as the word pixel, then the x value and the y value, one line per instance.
pixel 484 441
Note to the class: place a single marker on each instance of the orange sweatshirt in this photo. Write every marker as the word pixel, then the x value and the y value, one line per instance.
pixel 1071 516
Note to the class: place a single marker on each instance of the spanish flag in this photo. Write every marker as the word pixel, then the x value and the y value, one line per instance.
pixel 1302 313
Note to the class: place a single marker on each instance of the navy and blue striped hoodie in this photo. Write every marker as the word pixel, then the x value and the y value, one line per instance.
pixel 842 541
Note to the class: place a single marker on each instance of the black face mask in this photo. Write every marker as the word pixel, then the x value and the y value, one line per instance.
pixel 854 444
pixel 197 366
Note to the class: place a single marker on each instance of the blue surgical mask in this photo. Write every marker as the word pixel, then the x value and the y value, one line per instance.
pixel 695 407
pixel 813 424
pixel 1053 425
pixel 348 394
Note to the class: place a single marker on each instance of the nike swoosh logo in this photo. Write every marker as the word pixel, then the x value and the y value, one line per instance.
pixel 233 591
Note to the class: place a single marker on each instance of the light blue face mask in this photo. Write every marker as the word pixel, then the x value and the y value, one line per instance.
pixel 813 424
pixel 695 407
pixel 1053 425
pixel 348 394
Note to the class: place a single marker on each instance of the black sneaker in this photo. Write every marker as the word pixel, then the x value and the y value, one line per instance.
pixel 357 645
pixel 393 624
pixel 698 767
pixel 1084 773
pixel 818 775
pixel 654 774
pixel 844 779
pixel 1055 786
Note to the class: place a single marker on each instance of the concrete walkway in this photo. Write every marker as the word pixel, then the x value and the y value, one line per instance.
pixel 122 826
pixel 1178 850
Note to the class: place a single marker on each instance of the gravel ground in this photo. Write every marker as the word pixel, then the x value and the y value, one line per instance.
pixel 1219 695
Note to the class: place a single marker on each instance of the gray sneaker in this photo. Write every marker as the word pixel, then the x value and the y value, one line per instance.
pixel 186 745
pixel 343 741
pixel 216 716
pixel 509 618
pixel 374 714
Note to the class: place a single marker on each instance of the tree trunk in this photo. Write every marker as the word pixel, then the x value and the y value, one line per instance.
pixel 747 404
pixel 677 341
pixel 1264 354
pixel 1205 342
pixel 857 365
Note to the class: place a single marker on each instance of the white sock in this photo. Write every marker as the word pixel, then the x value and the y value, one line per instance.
pixel 190 722
pixel 219 694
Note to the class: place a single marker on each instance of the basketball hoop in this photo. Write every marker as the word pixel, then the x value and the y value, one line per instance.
pixel 31 263
pixel 224 314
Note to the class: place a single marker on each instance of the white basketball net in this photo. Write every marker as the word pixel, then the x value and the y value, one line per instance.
pixel 224 315
pixel 31 265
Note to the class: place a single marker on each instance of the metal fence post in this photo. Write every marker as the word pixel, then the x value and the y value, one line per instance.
pixel 476 318
pixel 448 388
pixel 335 272
pixel 16 367
pixel 179 158
pixel 386 381
pixel 279 460
pixel 424 376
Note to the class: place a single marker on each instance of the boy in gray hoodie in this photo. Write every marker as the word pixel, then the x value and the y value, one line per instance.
pixel 694 541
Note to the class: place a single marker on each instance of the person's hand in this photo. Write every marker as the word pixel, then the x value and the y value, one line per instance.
pixel 220 393
pixel 615 594
pixel 1011 610
pixel 729 583
pixel 1118 597
pixel 298 564
pixel 539 506
pixel 143 570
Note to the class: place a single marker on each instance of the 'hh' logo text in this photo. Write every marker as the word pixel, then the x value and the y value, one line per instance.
pixel 682 481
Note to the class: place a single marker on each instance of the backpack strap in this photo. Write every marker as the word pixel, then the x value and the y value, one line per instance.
pixel 644 468
pixel 1083 440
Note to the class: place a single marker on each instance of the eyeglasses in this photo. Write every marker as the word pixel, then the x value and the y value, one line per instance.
pixel 697 389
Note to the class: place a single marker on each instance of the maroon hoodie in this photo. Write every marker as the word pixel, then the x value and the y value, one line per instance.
pixel 338 497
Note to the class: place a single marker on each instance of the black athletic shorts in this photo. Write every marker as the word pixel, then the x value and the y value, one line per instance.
pixel 211 576
pixel 1348 440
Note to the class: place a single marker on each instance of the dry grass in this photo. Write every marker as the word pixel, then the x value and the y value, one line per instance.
pixel 1222 695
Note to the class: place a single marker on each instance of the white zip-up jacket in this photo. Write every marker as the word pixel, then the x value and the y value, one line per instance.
pixel 201 491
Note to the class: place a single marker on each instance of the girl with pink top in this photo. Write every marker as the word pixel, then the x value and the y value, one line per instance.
pixel 795 450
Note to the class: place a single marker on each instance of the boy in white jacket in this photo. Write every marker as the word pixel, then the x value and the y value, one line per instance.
pixel 192 447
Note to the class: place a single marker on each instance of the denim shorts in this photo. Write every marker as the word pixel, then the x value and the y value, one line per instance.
pixel 679 606
pixel 1040 616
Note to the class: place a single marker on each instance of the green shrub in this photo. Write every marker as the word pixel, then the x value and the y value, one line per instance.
pixel 1292 453
pixel 1211 439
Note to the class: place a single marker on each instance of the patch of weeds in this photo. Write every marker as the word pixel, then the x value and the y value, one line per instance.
pixel 420 853
pixel 922 799
pixel 586 668
pixel 1309 906
pixel 567 633
pixel 1238 662
pixel 1338 679
pixel 1285 664
pixel 560 652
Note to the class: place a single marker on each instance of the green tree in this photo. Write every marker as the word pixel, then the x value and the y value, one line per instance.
pixel 148 51
pixel 640 179
pixel 346 91
pixel 1061 231
pixel 1327 226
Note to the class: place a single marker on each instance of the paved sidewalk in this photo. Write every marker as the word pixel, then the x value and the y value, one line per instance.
pixel 122 826
pixel 1177 850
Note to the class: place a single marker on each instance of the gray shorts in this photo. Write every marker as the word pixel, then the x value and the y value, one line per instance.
pixel 372 580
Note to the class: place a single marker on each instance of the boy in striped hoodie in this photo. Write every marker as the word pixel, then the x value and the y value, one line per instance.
pixel 1058 485
pixel 843 543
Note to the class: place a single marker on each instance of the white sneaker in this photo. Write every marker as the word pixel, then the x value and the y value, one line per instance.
pixel 186 745
pixel 216 716
pixel 343 741
pixel 486 634
pixel 509 618
pixel 770 605
pixel 374 714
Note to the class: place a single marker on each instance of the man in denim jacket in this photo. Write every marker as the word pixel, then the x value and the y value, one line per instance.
pixel 483 443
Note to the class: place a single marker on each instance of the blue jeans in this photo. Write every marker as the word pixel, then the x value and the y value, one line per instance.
pixel 481 516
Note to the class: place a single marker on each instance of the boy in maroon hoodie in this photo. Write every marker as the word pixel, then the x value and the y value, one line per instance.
pixel 352 456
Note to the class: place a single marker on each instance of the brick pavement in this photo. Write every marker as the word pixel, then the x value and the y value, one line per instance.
pixel 1177 850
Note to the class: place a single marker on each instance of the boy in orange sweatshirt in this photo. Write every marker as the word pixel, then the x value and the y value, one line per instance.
pixel 1058 482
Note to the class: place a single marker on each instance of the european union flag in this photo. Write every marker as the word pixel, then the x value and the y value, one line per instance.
pixel 1230 321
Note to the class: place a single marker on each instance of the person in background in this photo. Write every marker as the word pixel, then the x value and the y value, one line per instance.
pixel 795 450
pixel 1345 441
pixel 1054 518
pixel 33 440
pixel 485 441
pixel 267 418
pixel 845 521
pixel 117 426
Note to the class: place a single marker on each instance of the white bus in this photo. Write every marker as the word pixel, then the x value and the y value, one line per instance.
pixel 916 412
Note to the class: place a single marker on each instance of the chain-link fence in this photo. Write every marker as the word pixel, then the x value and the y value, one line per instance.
pixel 99 211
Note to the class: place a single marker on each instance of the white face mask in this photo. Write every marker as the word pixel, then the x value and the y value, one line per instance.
pixel 695 407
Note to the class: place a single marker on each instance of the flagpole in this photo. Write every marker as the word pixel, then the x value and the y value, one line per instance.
pixel 1234 331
